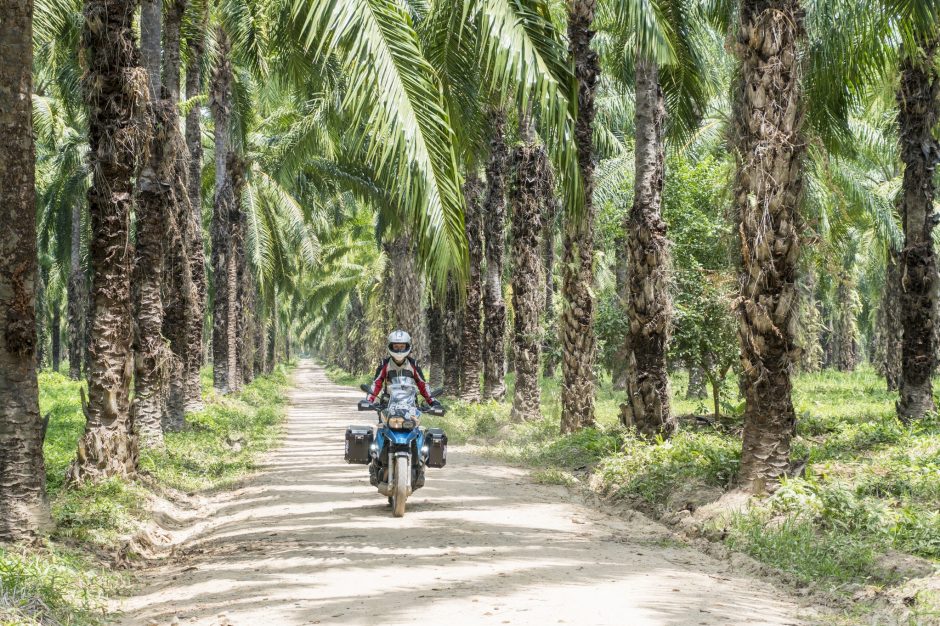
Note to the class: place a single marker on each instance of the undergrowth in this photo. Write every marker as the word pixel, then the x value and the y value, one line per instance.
pixel 66 578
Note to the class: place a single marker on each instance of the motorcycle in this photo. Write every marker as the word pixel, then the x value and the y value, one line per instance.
pixel 397 450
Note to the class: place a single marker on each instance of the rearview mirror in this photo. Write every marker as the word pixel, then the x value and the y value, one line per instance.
pixel 365 388
pixel 437 392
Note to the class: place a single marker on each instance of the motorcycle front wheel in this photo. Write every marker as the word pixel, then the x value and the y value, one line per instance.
pixel 400 492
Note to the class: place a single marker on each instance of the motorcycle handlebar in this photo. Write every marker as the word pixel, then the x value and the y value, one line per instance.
pixel 365 405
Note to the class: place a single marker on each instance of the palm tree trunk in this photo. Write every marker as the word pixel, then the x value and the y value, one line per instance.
pixel 696 388
pixel 919 108
pixel 271 360
pixel 452 334
pixel 622 280
pixel 40 315
pixel 435 319
pixel 24 510
pixel 846 329
pixel 195 351
pixel 151 19
pixel 892 333
pixel 222 254
pixel 247 319
pixel 530 186
pixel 470 348
pixel 179 291
pixel 76 297
pixel 405 289
pixel 577 328
pixel 260 350
pixel 360 334
pixel 114 85
pixel 649 307
pixel 549 358
pixel 151 357
pixel 809 325
pixel 56 336
pixel 494 306
pixel 235 272
pixel 172 62
pixel 767 119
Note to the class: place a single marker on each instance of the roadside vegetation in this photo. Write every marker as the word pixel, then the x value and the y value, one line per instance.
pixel 859 518
pixel 66 578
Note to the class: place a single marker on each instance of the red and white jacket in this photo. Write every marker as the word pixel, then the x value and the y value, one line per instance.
pixel 389 370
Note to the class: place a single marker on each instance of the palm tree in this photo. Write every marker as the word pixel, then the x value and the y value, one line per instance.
pixel 435 317
pixel 549 219
pixel 494 306
pixel 470 348
pixel 847 305
pixel 918 112
pixel 152 360
pixel 62 183
pixel 668 66
pixel 405 291
pixel 194 84
pixel 76 295
pixel 453 326
pixel 183 316
pixel 531 187
pixel 151 31
pixel 394 93
pixel 649 305
pixel 114 86
pixel 150 352
pixel 224 269
pixel 890 330
pixel 577 327
pixel 22 491
pixel 767 116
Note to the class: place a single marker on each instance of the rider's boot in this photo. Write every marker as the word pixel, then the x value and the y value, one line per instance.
pixel 419 479
pixel 373 474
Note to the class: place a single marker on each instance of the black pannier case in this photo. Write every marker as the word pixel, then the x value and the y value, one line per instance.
pixel 358 440
pixel 436 441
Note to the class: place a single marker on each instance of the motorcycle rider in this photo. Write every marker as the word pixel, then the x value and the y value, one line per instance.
pixel 397 364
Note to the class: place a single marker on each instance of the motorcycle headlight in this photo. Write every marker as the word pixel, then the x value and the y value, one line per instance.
pixel 396 422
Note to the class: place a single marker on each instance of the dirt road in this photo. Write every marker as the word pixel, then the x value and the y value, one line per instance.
pixel 308 541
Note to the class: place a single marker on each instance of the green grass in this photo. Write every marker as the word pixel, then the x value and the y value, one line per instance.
pixel 871 483
pixel 341 377
pixel 52 585
pixel 66 579
pixel 203 457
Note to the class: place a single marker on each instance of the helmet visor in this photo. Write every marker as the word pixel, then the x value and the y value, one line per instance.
pixel 399 350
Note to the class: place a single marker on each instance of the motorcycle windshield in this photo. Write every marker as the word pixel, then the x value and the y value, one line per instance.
pixel 402 398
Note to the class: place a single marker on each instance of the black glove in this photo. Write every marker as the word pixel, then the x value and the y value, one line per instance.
pixel 436 404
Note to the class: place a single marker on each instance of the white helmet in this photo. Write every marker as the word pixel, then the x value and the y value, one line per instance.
pixel 399 336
